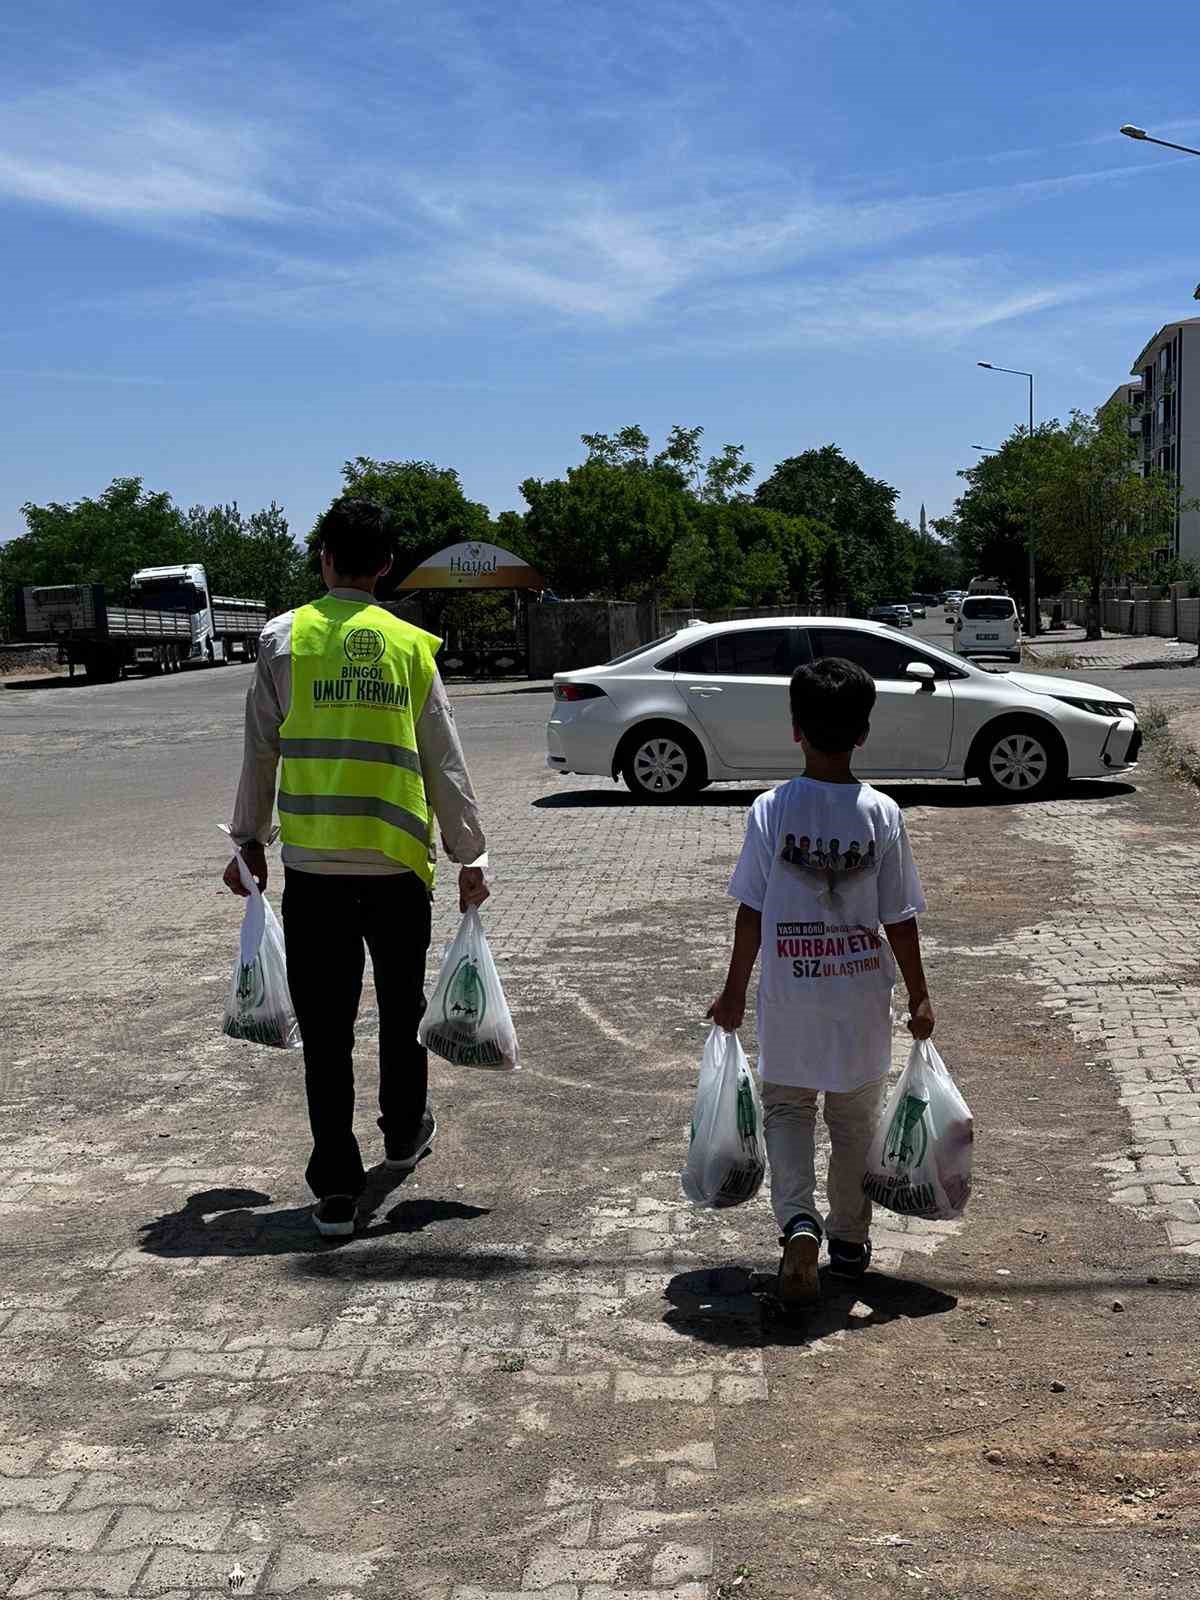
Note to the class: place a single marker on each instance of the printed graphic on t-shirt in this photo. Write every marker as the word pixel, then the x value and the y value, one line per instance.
pixel 828 861
pixel 823 950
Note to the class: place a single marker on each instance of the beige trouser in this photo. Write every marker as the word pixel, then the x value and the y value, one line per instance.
pixel 790 1125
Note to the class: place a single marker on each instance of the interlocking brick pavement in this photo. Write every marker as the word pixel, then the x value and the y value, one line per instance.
pixel 192 1375
pixel 1118 964
pixel 1115 650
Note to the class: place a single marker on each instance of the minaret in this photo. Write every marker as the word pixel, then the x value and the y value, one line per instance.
pixel 922 519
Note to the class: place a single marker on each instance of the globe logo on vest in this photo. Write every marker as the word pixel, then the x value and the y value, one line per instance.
pixel 364 646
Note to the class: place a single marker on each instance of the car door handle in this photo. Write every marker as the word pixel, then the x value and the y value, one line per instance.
pixel 704 690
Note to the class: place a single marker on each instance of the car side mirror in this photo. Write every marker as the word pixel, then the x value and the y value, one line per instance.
pixel 923 672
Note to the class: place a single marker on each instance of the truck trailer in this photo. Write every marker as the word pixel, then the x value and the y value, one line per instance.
pixel 173 623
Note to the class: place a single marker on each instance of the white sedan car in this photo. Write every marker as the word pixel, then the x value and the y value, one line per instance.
pixel 709 704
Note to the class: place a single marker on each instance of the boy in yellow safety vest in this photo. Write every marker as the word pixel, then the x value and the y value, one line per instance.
pixel 347 701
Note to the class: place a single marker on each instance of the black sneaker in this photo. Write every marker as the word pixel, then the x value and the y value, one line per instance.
pixel 403 1157
pixel 799 1283
pixel 849 1261
pixel 334 1216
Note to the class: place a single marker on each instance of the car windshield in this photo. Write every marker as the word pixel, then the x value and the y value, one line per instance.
pixel 992 610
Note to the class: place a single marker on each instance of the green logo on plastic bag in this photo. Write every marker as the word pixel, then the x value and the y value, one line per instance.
pixel 251 987
pixel 465 1002
pixel 908 1137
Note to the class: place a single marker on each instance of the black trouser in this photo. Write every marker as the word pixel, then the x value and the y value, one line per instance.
pixel 326 920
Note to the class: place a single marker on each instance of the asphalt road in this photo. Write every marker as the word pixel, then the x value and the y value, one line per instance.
pixel 537 1370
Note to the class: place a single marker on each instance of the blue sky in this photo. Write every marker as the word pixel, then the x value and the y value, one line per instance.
pixel 242 243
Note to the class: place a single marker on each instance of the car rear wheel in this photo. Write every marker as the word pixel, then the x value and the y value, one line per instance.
pixel 1020 761
pixel 663 764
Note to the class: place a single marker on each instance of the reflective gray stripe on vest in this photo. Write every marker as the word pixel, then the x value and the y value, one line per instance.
pixel 392 755
pixel 354 805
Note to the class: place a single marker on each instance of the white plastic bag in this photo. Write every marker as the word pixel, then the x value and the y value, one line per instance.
pixel 727 1157
pixel 468 1021
pixel 919 1163
pixel 259 1007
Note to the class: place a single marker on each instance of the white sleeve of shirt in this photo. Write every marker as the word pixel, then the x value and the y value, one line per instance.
pixel 900 894
pixel 749 881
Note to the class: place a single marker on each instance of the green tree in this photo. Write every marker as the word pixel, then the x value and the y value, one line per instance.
pixel 874 560
pixel 1093 511
pixel 253 556
pixel 97 540
pixel 428 506
pixel 610 528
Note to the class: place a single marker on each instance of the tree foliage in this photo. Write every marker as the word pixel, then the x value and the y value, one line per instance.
pixel 1076 492
pixel 429 509
pixel 874 556
pixel 1093 509
pixel 107 538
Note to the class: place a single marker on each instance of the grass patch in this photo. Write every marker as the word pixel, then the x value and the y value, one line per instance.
pixel 1176 755
pixel 1061 661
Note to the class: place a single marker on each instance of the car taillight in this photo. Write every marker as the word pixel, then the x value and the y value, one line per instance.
pixel 576 691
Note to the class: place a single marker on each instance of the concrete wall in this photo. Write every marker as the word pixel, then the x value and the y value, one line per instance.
pixel 584 633
pixel 1157 610
pixel 1189 620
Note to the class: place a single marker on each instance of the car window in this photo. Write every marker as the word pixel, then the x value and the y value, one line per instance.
pixel 761 653
pixel 874 652
pixel 700 657
pixel 992 610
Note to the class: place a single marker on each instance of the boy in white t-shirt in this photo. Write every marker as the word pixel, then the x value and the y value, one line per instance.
pixel 832 923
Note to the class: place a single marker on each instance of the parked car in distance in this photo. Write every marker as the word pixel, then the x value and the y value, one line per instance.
pixel 709 704
pixel 917 606
pixel 895 614
pixel 988 625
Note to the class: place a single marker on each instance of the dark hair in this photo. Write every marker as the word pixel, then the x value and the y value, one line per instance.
pixel 356 535
pixel 832 701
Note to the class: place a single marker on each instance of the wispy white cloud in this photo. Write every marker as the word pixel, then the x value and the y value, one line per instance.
pixel 111 149
pixel 448 205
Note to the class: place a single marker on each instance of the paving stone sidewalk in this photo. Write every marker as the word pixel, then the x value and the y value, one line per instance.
pixel 1114 651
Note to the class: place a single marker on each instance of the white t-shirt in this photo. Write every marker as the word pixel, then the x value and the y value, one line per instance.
pixel 827 864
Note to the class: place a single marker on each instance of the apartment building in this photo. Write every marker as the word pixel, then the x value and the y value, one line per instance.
pixel 1168 423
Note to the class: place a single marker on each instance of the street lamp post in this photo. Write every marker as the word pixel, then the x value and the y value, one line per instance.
pixel 1131 132
pixel 1033 619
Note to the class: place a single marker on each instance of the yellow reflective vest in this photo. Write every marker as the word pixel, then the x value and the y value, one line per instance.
pixel 351 775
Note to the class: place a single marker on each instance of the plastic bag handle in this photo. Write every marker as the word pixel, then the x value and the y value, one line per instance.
pixel 254 922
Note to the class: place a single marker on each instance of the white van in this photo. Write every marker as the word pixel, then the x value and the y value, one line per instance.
pixel 988 626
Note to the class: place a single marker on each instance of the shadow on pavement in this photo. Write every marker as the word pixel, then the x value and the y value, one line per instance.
pixel 231 1222
pixel 81 682
pixel 953 796
pixel 733 1307
pixel 947 793
pixel 585 798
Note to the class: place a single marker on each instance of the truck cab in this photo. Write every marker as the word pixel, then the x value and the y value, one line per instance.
pixel 182 588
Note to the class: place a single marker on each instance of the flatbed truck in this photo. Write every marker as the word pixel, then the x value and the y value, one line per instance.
pixel 174 622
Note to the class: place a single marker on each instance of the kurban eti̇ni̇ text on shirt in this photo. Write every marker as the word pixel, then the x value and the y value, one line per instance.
pixel 827 865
